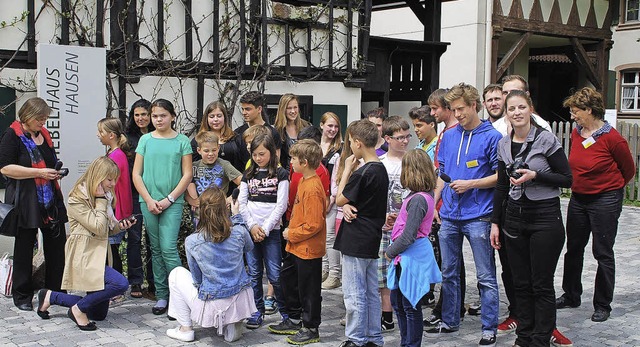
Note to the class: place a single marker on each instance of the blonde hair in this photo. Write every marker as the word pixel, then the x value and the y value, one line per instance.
pixel 34 108
pixel 281 116
pixel 100 169
pixel 307 150
pixel 206 137
pixel 214 224
pixel 417 173
pixel 335 144
pixel 253 132
pixel 467 92
pixel 226 133
pixel 114 125
pixel 346 152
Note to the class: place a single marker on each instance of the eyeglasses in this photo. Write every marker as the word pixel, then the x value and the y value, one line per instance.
pixel 402 138
pixel 574 112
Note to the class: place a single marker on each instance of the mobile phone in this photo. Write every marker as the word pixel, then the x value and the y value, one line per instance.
pixel 132 218
pixel 235 193
pixel 62 171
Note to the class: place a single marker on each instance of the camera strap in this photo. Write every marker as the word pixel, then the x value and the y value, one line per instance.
pixel 524 154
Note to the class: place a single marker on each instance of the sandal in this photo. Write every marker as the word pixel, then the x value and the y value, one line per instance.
pixel 136 291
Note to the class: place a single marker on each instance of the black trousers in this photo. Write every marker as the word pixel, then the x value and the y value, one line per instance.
pixel 301 281
pixel 53 244
pixel 597 214
pixel 534 240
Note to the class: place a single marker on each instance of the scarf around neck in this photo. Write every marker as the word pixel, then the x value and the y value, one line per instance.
pixel 45 189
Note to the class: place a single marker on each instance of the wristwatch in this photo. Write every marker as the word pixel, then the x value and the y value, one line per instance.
pixel 171 199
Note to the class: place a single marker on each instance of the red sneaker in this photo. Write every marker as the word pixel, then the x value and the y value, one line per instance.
pixel 559 340
pixel 509 325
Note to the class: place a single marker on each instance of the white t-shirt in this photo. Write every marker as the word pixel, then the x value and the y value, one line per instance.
pixel 397 193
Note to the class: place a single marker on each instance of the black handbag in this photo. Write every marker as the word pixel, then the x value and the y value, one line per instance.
pixel 9 215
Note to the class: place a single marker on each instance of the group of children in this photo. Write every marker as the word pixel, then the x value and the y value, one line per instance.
pixel 385 204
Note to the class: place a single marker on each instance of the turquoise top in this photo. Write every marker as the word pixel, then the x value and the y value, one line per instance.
pixel 162 166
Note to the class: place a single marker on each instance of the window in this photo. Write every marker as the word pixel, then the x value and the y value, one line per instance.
pixel 630 88
pixel 632 10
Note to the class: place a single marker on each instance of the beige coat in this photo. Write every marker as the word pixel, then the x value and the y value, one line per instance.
pixel 87 248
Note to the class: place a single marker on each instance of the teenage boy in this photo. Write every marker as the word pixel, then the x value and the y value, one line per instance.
pixel 252 104
pixel 468 155
pixel 301 274
pixel 363 198
pixel 426 128
pixel 377 116
pixel 442 113
pixel 395 131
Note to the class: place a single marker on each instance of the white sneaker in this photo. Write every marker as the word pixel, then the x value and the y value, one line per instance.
pixel 331 283
pixel 176 333
pixel 232 332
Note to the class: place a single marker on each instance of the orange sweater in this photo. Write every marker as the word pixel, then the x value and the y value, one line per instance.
pixel 307 228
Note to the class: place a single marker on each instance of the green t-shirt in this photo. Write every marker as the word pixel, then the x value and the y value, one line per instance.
pixel 162 167
pixel 218 173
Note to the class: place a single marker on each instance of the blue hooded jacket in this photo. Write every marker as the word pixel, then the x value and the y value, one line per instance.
pixel 465 155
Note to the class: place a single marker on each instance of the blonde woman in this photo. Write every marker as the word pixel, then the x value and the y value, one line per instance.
pixel 288 124
pixel 91 221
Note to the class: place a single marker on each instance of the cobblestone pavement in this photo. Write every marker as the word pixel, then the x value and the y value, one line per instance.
pixel 132 324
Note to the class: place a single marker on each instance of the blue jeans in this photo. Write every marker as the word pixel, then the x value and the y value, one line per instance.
pixel 477 232
pixel 266 254
pixel 361 300
pixel 409 319
pixel 95 304
pixel 595 214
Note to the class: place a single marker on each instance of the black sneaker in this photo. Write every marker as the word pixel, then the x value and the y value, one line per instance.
pixel 488 339
pixel 304 336
pixel 286 327
pixel 474 309
pixel 429 299
pixel 387 326
pixel 441 330
pixel 431 321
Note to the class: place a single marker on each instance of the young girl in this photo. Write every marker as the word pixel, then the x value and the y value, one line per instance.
pixel 161 173
pixel 91 220
pixel 111 134
pixel 217 292
pixel 263 200
pixel 331 142
pixel 138 124
pixel 413 266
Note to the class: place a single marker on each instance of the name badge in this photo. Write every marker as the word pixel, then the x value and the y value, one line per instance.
pixel 472 163
pixel 588 142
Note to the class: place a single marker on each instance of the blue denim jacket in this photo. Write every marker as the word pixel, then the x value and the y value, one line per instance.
pixel 218 268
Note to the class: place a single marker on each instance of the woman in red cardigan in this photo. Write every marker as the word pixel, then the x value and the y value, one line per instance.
pixel 602 165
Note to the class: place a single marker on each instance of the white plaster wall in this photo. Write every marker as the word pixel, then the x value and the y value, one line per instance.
pixel 626 48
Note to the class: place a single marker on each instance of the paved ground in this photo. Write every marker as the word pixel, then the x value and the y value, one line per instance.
pixel 132 324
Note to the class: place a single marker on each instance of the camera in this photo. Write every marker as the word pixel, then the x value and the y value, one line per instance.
pixel 517 164
pixel 62 171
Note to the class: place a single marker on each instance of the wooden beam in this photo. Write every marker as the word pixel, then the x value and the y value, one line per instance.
pixel 495 49
pixel 31 32
pixel 99 23
pixel 592 47
pixel 551 29
pixel 602 57
pixel 418 10
pixel 585 63
pixel 433 17
pixel 160 41
pixel 511 55
pixel 65 8
pixel 188 30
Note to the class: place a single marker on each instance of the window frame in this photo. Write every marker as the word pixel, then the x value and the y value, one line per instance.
pixel 627 11
pixel 635 107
